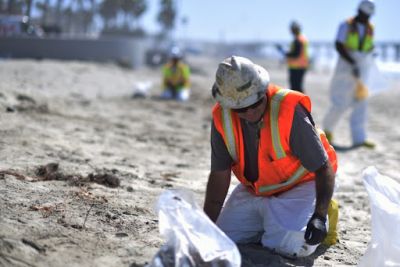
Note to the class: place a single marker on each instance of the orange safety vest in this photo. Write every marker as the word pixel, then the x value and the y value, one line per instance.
pixel 300 62
pixel 279 170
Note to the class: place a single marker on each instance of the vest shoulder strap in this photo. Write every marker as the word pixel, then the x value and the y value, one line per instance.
pixel 229 134
pixel 275 102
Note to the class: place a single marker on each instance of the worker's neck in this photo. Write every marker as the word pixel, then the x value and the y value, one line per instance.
pixel 264 109
pixel 361 18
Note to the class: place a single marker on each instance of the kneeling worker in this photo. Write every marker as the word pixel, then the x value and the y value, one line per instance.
pixel 176 77
pixel 265 134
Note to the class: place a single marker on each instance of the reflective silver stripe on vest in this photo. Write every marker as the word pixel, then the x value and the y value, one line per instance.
pixel 276 137
pixel 228 130
pixel 276 143
pixel 295 177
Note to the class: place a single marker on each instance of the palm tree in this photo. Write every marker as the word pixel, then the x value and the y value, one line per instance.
pixel 108 10
pixel 28 8
pixel 166 16
pixel 10 6
pixel 2 6
pixel 15 7
pixel 89 15
pixel 133 9
pixel 84 13
pixel 44 7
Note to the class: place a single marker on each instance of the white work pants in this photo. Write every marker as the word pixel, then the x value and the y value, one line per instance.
pixel 342 98
pixel 279 222
pixel 358 119
pixel 181 95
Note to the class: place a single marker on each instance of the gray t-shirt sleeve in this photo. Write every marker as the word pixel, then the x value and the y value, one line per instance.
pixel 305 142
pixel 220 158
pixel 342 33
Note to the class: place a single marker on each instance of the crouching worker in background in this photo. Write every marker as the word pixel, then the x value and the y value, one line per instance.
pixel 266 136
pixel 176 77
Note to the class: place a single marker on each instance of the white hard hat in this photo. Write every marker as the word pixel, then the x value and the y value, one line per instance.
pixel 175 52
pixel 367 7
pixel 239 83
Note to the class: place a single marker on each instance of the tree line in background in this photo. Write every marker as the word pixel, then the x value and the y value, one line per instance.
pixel 85 16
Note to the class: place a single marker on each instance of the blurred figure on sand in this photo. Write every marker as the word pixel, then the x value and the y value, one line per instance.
pixel 354 43
pixel 266 135
pixel 176 77
pixel 297 57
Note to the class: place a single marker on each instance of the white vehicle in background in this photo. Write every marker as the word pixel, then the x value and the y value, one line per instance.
pixel 18 25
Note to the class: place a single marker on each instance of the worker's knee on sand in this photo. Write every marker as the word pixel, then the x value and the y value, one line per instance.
pixel 292 244
pixel 179 95
pixel 246 218
pixel 242 222
pixel 284 242
pixel 288 243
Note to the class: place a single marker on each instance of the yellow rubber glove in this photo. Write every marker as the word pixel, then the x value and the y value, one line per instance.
pixel 333 217
pixel 361 91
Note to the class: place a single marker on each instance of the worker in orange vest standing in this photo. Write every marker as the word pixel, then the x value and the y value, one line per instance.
pixel 266 136
pixel 297 57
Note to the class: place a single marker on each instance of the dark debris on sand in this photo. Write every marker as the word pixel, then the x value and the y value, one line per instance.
pixel 51 171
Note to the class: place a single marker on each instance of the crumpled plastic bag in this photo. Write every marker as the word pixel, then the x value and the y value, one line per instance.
pixel 371 75
pixel 344 85
pixel 361 91
pixel 141 89
pixel 384 194
pixel 192 239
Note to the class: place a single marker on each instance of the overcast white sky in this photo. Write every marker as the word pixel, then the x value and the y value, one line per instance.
pixel 263 20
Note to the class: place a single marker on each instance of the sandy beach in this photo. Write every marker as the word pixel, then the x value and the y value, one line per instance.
pixel 82 163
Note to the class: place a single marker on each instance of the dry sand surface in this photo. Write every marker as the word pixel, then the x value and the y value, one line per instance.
pixel 82 163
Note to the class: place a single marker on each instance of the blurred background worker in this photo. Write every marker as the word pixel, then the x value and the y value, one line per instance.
pixel 297 57
pixel 266 136
pixel 176 77
pixel 354 42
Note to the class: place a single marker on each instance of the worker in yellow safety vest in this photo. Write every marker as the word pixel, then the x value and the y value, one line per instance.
pixel 354 43
pixel 266 136
pixel 297 57
pixel 176 77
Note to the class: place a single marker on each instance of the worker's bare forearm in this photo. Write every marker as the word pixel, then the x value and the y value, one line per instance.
pixel 344 53
pixel 325 184
pixel 217 188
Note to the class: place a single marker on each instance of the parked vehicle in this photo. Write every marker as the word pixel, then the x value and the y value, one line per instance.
pixel 18 25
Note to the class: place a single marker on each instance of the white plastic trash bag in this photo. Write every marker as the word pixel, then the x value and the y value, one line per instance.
pixel 384 194
pixel 141 89
pixel 192 240
pixel 343 82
